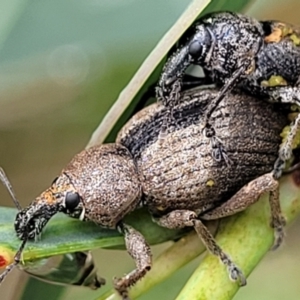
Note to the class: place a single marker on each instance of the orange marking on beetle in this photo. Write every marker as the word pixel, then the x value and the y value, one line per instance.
pixel 278 33
pixel 48 196
pixel 275 36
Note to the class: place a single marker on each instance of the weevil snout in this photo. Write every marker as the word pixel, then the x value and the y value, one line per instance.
pixel 60 197
pixel 30 221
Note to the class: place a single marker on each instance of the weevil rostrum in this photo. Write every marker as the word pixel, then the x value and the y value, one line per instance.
pixel 177 178
pixel 261 57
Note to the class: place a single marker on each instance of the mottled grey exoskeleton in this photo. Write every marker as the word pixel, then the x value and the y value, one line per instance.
pixel 177 177
pixel 263 58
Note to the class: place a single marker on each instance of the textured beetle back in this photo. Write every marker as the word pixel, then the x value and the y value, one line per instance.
pixel 180 169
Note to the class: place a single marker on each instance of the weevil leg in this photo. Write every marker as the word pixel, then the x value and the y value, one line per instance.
pixel 286 94
pixel 187 218
pixel 248 195
pixel 282 94
pixel 286 148
pixel 139 250
pixel 277 220
pixel 229 84
pixel 218 150
pixel 173 101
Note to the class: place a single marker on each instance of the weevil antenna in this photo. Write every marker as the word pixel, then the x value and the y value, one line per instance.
pixel 17 260
pixel 8 186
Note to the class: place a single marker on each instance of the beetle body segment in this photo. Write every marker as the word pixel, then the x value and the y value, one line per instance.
pixel 180 172
pixel 106 179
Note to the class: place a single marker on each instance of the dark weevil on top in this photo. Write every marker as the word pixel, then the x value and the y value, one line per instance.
pixel 261 57
pixel 177 178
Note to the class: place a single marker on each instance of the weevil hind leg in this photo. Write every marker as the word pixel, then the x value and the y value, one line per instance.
pixel 139 250
pixel 187 218
pixel 248 195
pixel 278 222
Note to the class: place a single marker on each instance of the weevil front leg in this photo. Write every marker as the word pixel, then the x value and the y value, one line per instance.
pixel 286 148
pixel 286 94
pixel 187 218
pixel 248 195
pixel 139 250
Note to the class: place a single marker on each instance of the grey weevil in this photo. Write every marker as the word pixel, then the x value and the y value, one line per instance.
pixel 262 58
pixel 177 178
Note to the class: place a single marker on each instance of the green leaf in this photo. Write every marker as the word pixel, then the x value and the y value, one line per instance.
pixel 64 235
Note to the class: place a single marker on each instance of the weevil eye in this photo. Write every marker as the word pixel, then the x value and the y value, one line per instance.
pixel 72 200
pixel 195 49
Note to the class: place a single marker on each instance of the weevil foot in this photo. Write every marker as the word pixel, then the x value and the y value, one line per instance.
pixel 120 285
pixel 278 221
pixel 139 250
pixel 279 235
pixel 236 274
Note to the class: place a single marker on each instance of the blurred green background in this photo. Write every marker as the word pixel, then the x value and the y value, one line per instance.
pixel 62 65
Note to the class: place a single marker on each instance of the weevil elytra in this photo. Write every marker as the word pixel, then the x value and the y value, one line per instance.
pixel 263 58
pixel 176 178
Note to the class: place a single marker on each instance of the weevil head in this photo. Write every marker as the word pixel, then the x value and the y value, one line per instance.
pixel 100 184
pixel 61 196
pixel 193 48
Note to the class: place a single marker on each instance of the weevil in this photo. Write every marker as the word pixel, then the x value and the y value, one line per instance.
pixel 263 58
pixel 177 178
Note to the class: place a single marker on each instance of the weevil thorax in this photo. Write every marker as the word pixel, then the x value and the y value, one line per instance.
pixel 31 220
pixel 233 37
pixel 107 182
